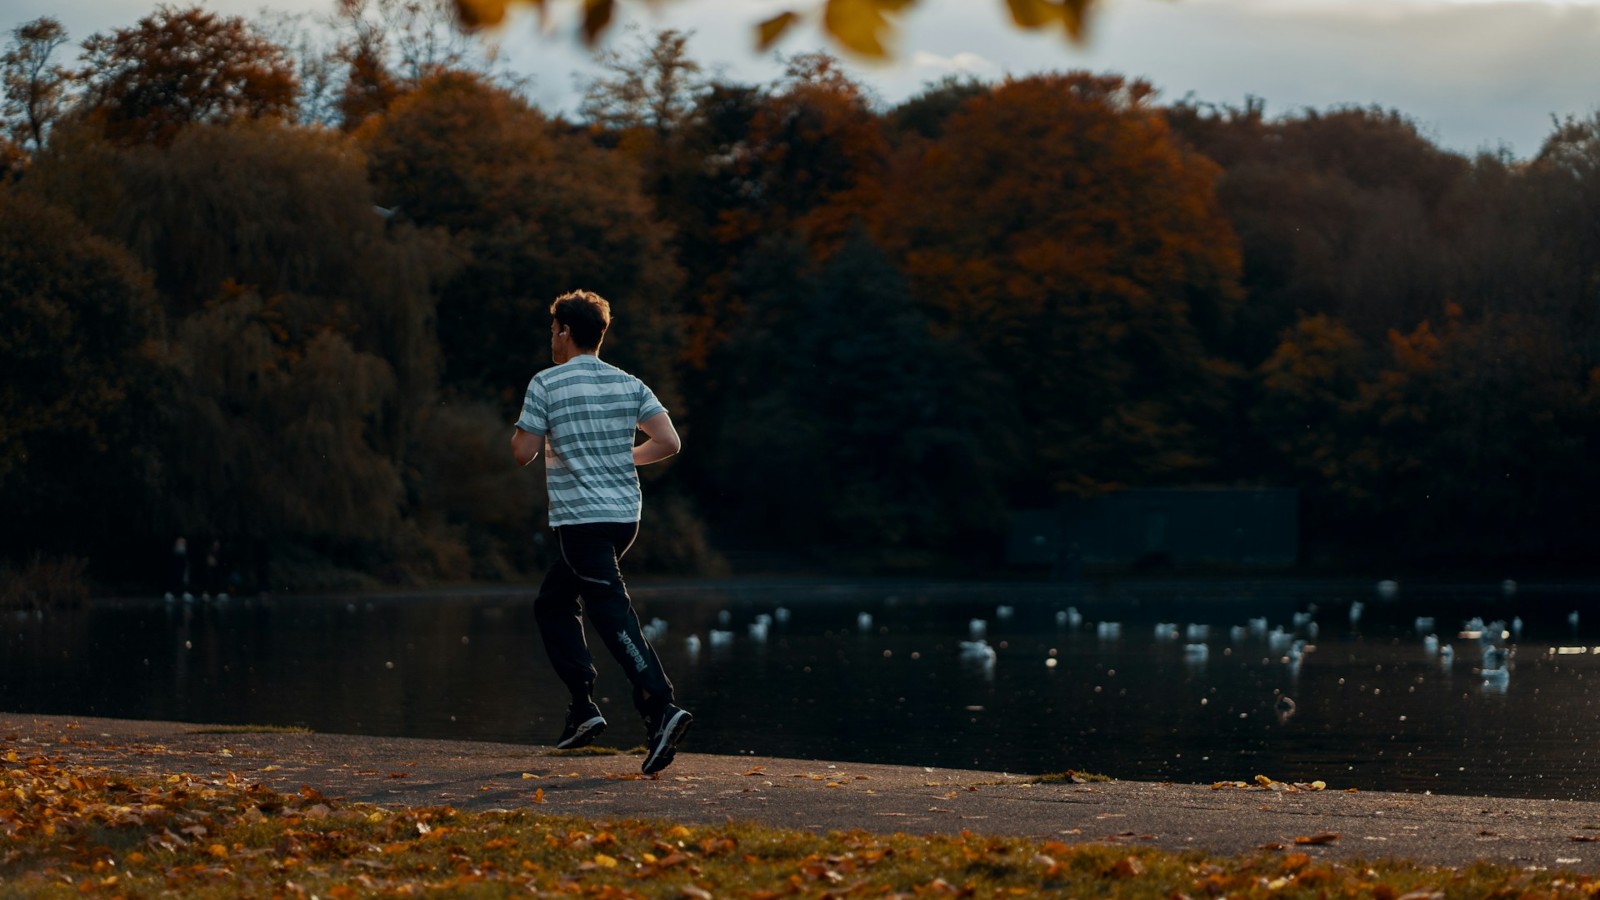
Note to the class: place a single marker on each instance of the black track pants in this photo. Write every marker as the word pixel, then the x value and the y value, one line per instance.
pixel 587 577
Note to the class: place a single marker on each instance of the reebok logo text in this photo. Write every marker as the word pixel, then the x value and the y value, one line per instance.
pixel 633 652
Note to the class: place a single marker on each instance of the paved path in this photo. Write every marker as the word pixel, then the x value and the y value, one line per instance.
pixel 820 795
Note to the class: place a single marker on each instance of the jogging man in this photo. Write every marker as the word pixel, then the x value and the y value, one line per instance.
pixel 584 413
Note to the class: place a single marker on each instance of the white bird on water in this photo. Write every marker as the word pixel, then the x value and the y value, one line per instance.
pixel 978 652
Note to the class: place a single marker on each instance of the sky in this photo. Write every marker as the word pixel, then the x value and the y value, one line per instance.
pixel 1475 75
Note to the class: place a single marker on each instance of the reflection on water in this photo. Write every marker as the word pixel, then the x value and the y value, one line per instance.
pixel 1187 682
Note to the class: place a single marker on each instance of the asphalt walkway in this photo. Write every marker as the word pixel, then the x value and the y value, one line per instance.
pixel 824 796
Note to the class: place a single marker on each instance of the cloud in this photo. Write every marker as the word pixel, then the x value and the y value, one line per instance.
pixel 964 62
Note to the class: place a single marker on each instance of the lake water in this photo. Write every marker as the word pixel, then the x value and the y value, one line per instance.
pixel 1369 704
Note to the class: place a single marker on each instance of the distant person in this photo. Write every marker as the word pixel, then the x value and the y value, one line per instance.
pixel 178 571
pixel 583 413
pixel 216 579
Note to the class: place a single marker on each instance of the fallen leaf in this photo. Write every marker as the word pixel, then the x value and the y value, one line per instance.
pixel 1327 837
pixel 1128 867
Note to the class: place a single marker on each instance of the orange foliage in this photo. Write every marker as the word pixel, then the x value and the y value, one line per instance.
pixel 1058 225
pixel 179 67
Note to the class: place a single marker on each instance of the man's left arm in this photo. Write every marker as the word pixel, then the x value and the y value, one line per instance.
pixel 661 440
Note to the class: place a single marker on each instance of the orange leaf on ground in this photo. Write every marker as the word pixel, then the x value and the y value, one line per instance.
pixel 1327 837
pixel 1128 867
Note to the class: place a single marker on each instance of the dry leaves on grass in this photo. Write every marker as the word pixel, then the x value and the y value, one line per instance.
pixel 68 829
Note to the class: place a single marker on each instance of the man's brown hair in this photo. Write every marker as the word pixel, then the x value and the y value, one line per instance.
pixel 586 314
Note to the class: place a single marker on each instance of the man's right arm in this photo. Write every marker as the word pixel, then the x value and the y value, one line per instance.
pixel 525 447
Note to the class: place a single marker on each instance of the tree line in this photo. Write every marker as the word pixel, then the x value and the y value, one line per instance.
pixel 283 287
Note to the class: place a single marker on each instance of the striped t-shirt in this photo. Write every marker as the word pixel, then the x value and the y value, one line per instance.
pixel 587 412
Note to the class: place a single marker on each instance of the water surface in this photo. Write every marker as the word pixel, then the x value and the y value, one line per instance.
pixel 1369 704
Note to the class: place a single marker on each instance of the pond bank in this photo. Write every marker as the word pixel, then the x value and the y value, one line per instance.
pixel 822 796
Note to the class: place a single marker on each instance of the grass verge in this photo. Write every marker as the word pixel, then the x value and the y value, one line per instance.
pixel 72 831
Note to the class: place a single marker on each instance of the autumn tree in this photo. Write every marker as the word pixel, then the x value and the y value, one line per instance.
pixel 1478 435
pixel 926 114
pixel 179 67
pixel 843 356
pixel 805 157
pixel 319 68
pixel 1058 227
pixel 387 48
pixel 652 88
pixel 536 212
pixel 1304 407
pixel 80 368
pixel 35 87
pixel 1342 212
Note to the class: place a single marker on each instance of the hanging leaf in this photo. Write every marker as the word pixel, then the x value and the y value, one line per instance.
pixel 1075 15
pixel 596 18
pixel 862 25
pixel 1034 13
pixel 474 14
pixel 768 32
pixel 1072 15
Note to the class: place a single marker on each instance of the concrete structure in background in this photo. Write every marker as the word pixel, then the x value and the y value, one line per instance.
pixel 1230 527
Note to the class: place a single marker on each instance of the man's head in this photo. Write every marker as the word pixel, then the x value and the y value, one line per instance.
pixel 578 323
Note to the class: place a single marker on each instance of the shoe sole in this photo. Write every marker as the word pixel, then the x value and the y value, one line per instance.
pixel 666 747
pixel 584 736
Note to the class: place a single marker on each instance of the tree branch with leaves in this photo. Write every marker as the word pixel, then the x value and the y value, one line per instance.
pixel 863 27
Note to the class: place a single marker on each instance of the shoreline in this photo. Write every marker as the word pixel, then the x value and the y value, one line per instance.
pixel 821 795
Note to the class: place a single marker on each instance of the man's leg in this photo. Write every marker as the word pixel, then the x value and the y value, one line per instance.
pixel 560 617
pixel 591 553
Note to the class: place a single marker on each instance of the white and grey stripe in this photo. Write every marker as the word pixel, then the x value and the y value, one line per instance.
pixel 587 411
